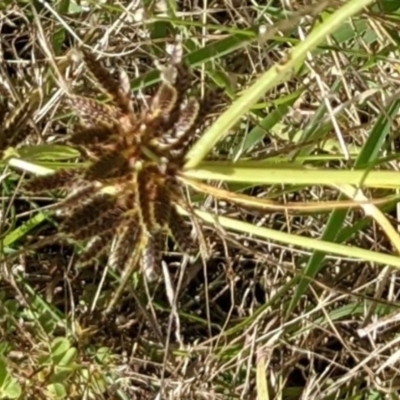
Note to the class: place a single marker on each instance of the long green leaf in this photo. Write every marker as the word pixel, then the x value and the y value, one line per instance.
pixel 304 242
pixel 275 75
pixel 369 154
pixel 257 172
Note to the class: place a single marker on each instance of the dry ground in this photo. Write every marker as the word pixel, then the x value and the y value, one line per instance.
pixel 257 310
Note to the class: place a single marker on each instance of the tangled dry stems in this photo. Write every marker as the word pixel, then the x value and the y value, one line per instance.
pixel 318 341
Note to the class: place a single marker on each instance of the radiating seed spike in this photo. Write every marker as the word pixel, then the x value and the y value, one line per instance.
pixel 164 100
pixel 126 243
pixel 109 221
pixel 14 131
pixel 111 165
pixel 20 114
pixel 184 131
pixel 181 86
pixel 93 113
pixel 162 206
pixel 125 100
pixel 91 135
pixel 146 197
pixel 162 114
pixel 180 232
pixel 101 74
pixel 119 89
pixel 87 213
pixel 84 214
pixel 60 179
pixel 181 134
pixel 187 118
pixel 95 248
pixel 78 195
pixel 152 256
pixel 131 265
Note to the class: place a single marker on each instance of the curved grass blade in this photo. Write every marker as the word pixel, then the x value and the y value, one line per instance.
pixel 288 207
pixel 274 76
pixel 257 172
pixel 304 242
pixel 368 154
pixel 374 212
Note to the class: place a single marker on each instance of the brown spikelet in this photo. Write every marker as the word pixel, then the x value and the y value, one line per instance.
pixel 95 248
pixel 182 132
pixel 92 113
pixel 147 193
pixel 162 206
pixel 79 195
pixel 133 156
pixel 182 83
pixel 109 221
pixel 14 129
pixel 19 115
pixel 86 217
pixel 164 100
pixel 102 75
pixel 187 118
pixel 125 245
pixel 151 257
pixel 180 232
pixel 62 178
pixel 111 165
pixel 91 135
pixel 135 254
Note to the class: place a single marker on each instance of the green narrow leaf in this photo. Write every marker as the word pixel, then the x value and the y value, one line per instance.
pixel 301 241
pixel 269 172
pixel 258 133
pixel 51 152
pixel 274 76
pixel 369 154
pixel 211 51
pixel 22 230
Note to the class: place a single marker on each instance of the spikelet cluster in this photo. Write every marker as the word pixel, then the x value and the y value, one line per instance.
pixel 15 124
pixel 125 197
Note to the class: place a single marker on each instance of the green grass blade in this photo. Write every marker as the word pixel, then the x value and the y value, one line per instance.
pixel 304 242
pixel 258 172
pixel 369 154
pixel 274 76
